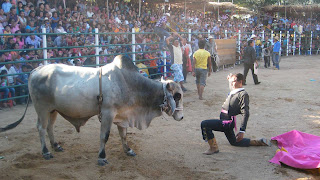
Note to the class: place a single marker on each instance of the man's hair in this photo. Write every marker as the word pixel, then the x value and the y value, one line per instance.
pixel 249 42
pixel 201 44
pixel 239 77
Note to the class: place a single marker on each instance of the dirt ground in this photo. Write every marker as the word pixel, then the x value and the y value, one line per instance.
pixel 285 100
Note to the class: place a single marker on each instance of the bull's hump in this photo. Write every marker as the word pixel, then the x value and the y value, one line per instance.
pixel 124 62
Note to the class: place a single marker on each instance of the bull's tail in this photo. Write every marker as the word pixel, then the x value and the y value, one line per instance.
pixel 15 124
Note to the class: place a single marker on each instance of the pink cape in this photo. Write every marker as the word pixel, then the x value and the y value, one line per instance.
pixel 303 150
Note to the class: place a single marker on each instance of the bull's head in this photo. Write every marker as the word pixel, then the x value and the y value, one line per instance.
pixel 174 100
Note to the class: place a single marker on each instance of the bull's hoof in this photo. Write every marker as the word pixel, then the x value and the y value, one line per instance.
pixel 102 162
pixel 58 149
pixel 47 156
pixel 131 153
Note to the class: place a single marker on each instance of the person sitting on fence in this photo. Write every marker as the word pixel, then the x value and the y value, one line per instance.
pixel 160 29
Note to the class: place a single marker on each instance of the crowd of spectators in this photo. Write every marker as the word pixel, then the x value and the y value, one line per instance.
pixel 18 17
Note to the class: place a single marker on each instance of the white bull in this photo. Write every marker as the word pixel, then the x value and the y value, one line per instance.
pixel 129 100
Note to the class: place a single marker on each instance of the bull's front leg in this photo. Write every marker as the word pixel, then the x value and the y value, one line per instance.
pixel 123 135
pixel 106 121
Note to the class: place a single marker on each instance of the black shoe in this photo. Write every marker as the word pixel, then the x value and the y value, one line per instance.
pixel 257 83
pixel 244 84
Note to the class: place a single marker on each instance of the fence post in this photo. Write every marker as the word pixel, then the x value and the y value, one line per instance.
pixel 299 44
pixel 262 54
pixel 189 35
pixel 225 34
pixel 294 43
pixel 44 45
pixel 96 43
pixel 311 43
pixel 280 40
pixel 165 64
pixel 262 35
pixel 133 46
pixel 271 36
pixel 287 42
pixel 208 33
pixel 239 45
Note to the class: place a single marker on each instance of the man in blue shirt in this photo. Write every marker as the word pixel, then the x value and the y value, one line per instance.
pixel 276 53
pixel 6 6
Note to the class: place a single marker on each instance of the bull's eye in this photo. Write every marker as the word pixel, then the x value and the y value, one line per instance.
pixel 177 96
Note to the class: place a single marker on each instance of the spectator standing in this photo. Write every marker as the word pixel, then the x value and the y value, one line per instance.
pixel 267 48
pixel 202 60
pixel 211 47
pixel 276 53
pixel 176 53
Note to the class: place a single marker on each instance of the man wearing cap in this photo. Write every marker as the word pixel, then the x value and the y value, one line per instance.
pixel 211 47
pixel 176 54
pixel 276 53
pixel 160 30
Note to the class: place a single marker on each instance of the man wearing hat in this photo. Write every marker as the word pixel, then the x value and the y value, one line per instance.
pixel 276 53
pixel 160 29
pixel 211 47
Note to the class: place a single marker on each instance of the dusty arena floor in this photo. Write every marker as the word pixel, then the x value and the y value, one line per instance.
pixel 285 100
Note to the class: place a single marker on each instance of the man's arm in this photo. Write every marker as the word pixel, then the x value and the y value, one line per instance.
pixel 244 108
pixel 168 39
pixel 210 65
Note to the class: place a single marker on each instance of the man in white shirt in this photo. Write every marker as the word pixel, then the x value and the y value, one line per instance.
pixel 11 79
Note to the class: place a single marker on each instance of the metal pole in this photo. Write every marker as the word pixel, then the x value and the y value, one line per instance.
pixel 96 43
pixel 225 34
pixel 299 44
pixel 218 10
pixel 287 43
pixel 189 35
pixel 44 45
pixel 165 64
pixel 311 43
pixel 108 8
pixel 133 46
pixel 204 10
pixel 262 35
pixel 208 33
pixel 294 43
pixel 280 40
pixel 239 44
pixel 185 12
pixel 271 36
pixel 139 8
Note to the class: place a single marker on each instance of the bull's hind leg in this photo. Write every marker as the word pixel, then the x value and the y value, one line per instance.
pixel 123 135
pixel 42 126
pixel 106 121
pixel 54 145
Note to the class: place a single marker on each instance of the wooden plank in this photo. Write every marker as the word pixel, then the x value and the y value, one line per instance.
pixel 226 49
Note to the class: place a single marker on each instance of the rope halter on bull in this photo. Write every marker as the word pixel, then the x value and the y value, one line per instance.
pixel 100 97
pixel 165 105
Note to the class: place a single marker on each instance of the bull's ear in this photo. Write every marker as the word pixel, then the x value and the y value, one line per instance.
pixel 172 103
pixel 170 87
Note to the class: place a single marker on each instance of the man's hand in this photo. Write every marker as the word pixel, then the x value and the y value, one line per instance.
pixel 209 73
pixel 229 76
pixel 239 136
pixel 193 74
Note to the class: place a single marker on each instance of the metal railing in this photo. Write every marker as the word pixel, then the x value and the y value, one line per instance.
pixel 294 38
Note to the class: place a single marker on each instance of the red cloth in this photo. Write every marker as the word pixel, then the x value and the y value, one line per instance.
pixel 303 150
pixel 189 65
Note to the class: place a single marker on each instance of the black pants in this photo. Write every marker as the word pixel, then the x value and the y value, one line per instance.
pixel 207 126
pixel 266 61
pixel 184 70
pixel 246 70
